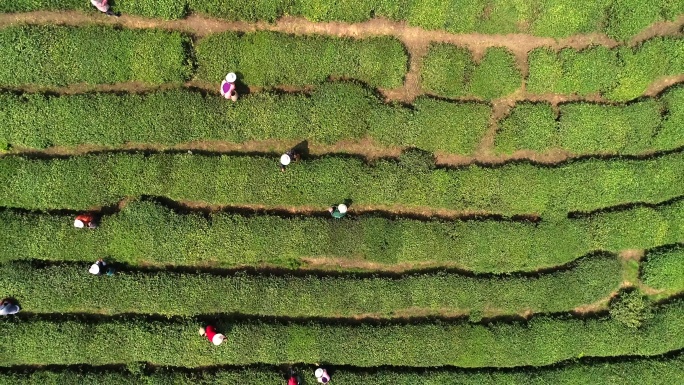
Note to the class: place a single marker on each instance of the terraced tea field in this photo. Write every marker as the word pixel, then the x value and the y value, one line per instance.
pixel 513 171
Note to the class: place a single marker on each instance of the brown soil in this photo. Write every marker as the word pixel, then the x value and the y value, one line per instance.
pixel 595 307
pixel 632 254
pixel 662 28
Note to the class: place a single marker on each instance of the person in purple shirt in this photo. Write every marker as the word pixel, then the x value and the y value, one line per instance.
pixel 228 87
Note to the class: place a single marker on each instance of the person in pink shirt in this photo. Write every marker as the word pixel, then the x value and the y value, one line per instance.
pixel 103 7
pixel 211 334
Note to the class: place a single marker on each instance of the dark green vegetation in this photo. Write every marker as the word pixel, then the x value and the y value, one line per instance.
pixel 541 341
pixel 663 269
pixel 620 19
pixel 271 59
pixel 586 128
pixel 333 112
pixel 451 72
pixel 621 74
pixel 233 240
pixel 634 371
pixel 510 190
pixel 58 56
pixel 68 289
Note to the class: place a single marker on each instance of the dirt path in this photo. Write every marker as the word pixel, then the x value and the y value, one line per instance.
pixel 365 148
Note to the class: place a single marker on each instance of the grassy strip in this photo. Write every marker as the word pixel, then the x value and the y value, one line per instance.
pixel 586 128
pixel 271 59
pixel 450 71
pixel 542 341
pixel 620 74
pixel 233 240
pixel 57 56
pixel 620 19
pixel 68 289
pixel 333 112
pixel 636 371
pixel 662 269
pixel 97 180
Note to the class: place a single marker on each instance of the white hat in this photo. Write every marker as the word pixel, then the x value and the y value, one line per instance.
pixel 94 269
pixel 231 77
pixel 218 339
pixel 284 159
pixel 78 224
pixel 342 208
pixel 319 373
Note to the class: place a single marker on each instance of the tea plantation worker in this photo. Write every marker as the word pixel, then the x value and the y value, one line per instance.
pixel 294 379
pixel 287 158
pixel 228 90
pixel 338 211
pixel 212 336
pixel 85 220
pixel 322 376
pixel 8 307
pixel 99 268
pixel 103 7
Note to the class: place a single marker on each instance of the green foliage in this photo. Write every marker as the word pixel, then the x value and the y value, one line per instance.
pixel 96 180
pixel 620 19
pixel 663 269
pixel 417 160
pixel 69 289
pixel 543 340
pixel 589 71
pixel 632 371
pixel 58 56
pixel 271 59
pixel 496 75
pixel 620 74
pixel 450 71
pixel 230 240
pixel 645 64
pixel 586 128
pixel 561 18
pixel 333 112
pixel 529 126
pixel 631 309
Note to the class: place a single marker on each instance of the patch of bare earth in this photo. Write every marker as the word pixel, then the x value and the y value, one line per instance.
pixel 595 307
pixel 632 254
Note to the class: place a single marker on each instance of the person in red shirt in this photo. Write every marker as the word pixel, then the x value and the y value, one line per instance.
pixel 211 334
pixel 292 381
pixel 85 220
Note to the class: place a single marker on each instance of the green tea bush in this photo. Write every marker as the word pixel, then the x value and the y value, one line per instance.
pixel 58 56
pixel 541 341
pixel 450 71
pixel 86 181
pixel 529 126
pixel 270 59
pixel 620 74
pixel 586 128
pixel 662 269
pixel 629 371
pixel 231 240
pixel 589 71
pixel 333 112
pixel 646 63
pixel 68 289
pixel 620 19
pixel 630 308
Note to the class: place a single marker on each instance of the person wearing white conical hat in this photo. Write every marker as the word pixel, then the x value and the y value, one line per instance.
pixel 338 211
pixel 288 158
pixel 322 376
pixel 211 334
pixel 98 268
pixel 228 89
pixel 85 220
